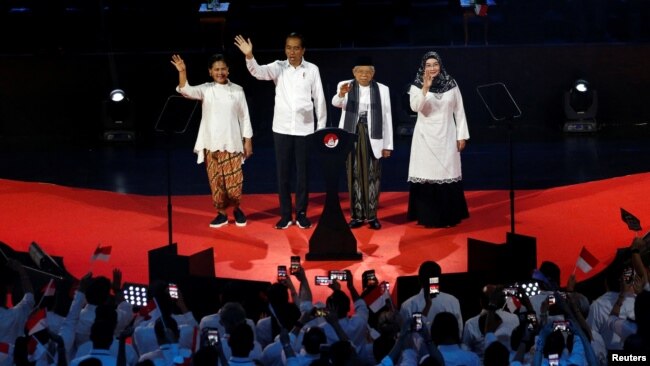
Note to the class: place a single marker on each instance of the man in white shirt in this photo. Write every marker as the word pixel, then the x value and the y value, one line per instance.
pixel 430 301
pixel 366 113
pixel 225 135
pixel 298 94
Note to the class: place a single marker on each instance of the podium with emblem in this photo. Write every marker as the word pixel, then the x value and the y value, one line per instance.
pixel 332 238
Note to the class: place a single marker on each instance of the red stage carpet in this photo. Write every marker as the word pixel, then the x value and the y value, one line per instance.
pixel 70 223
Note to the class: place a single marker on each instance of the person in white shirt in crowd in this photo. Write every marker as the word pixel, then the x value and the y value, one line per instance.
pixel 225 135
pixel 430 300
pixel 102 337
pixel 230 315
pixel 444 333
pixel 298 96
pixel 267 329
pixel 492 298
pixel 169 351
pixel 632 285
pixel 601 308
pixel 14 316
pixel 108 313
pixel 99 293
pixel 355 326
pixel 160 303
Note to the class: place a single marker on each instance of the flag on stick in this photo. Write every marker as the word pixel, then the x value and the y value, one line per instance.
pixel 49 289
pixel 101 254
pixel 586 261
pixel 36 322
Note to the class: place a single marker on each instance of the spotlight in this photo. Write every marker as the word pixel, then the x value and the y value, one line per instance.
pixel 135 294
pixel 117 115
pixel 580 107
pixel 117 95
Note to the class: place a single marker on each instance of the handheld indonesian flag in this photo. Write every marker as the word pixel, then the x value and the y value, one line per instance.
pixel 101 254
pixel 586 261
pixel 376 298
pixel 6 351
pixel 481 10
pixel 36 322
pixel 146 311
pixel 513 303
pixel 49 289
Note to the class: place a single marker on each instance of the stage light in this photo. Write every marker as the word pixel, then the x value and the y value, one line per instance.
pixel 118 115
pixel 580 107
pixel 135 294
pixel 117 95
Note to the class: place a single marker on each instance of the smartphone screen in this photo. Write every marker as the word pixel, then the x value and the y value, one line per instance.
pixel 173 290
pixel 369 278
pixel 322 281
pixel 551 299
pixel 282 273
pixel 295 264
pixel 532 320
pixel 417 321
pixel 434 286
pixel 554 359
pixel 560 325
pixel 338 275
pixel 628 275
pixel 213 336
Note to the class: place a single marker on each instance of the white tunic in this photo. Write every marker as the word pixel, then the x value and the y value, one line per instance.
pixel 224 117
pixel 441 122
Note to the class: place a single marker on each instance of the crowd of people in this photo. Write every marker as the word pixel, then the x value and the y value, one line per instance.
pixel 89 322
pixel 224 139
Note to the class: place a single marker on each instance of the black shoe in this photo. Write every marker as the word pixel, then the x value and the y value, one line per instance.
pixel 374 224
pixel 283 223
pixel 302 221
pixel 219 221
pixel 355 223
pixel 240 218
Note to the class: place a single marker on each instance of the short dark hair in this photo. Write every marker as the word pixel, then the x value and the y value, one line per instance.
pixel 428 269
pixel 216 58
pixel 241 340
pixel 297 35
pixel 496 354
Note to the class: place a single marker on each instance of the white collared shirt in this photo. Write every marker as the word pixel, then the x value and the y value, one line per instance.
pixel 295 87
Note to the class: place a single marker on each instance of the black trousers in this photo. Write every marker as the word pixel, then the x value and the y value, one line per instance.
pixel 292 152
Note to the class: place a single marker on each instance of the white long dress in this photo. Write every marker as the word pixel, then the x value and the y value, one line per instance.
pixel 440 123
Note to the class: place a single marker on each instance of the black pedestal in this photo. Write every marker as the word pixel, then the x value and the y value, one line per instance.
pixel 332 238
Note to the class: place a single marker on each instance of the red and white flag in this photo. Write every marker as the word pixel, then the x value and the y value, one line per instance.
pixel 146 311
pixel 586 261
pixel 36 322
pixel 513 303
pixel 101 254
pixel 49 289
pixel 376 298
pixel 481 10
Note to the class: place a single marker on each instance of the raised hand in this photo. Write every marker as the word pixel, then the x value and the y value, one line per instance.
pixel 345 88
pixel 178 62
pixel 245 45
